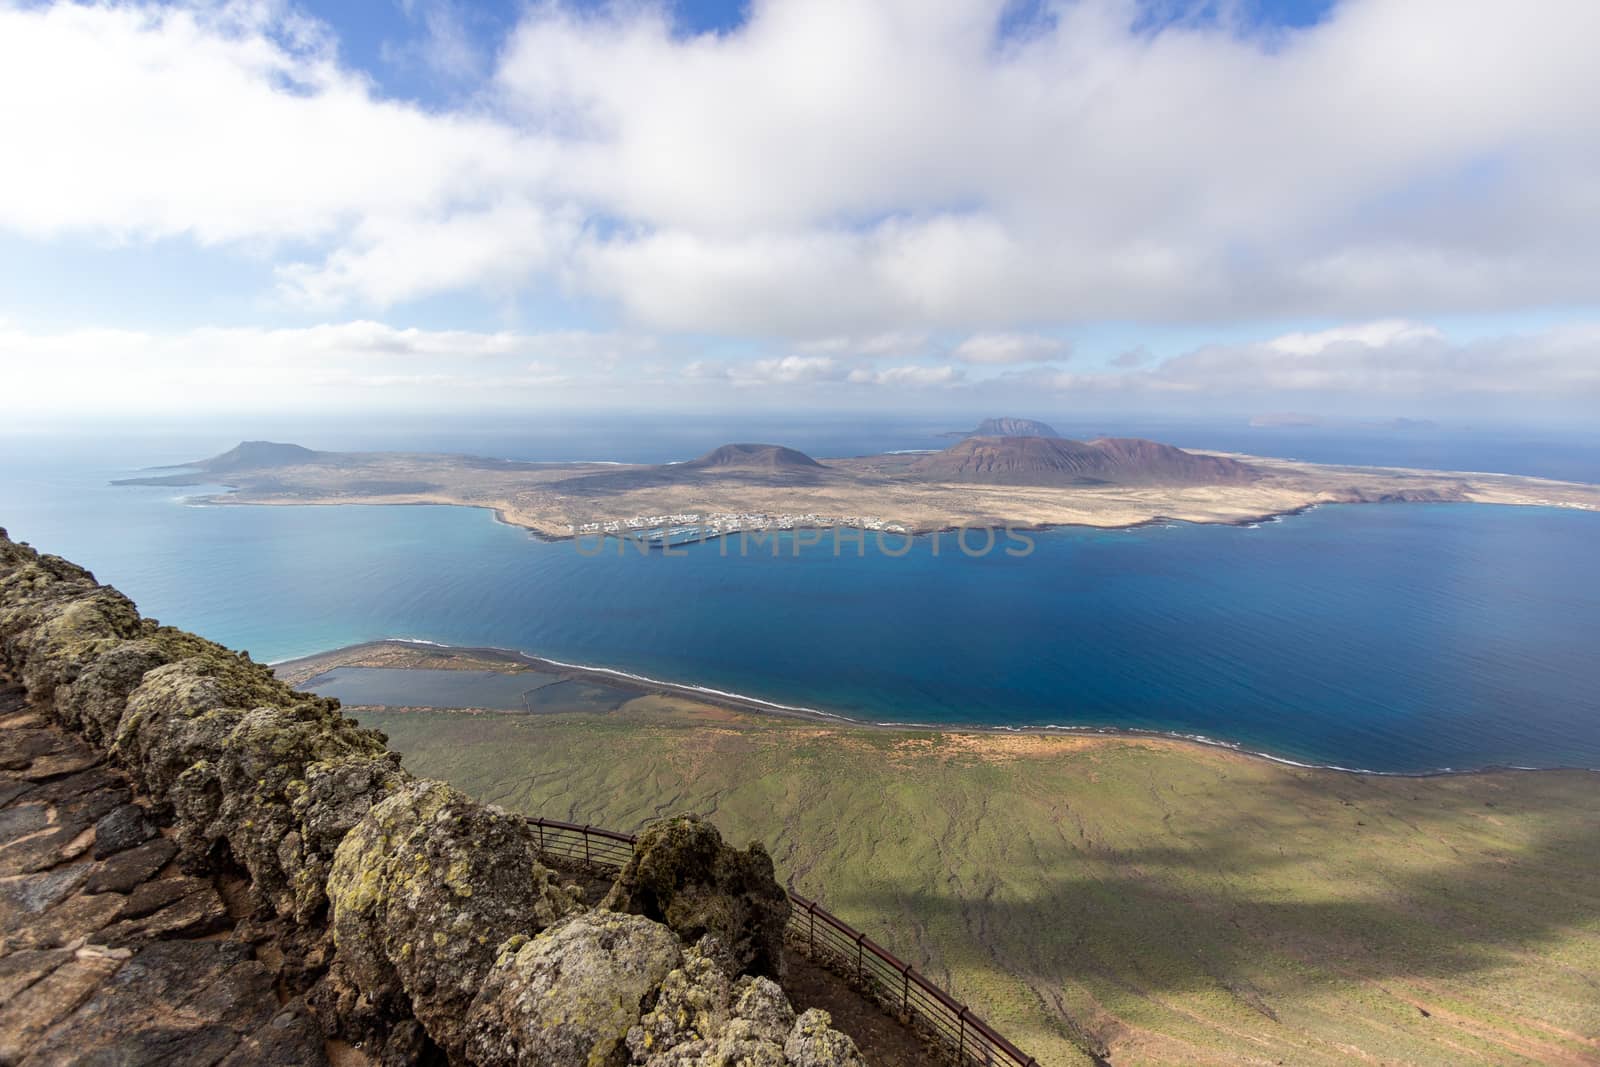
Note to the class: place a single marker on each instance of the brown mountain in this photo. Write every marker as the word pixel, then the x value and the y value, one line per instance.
pixel 1059 461
pixel 745 463
pixel 245 456
pixel 758 457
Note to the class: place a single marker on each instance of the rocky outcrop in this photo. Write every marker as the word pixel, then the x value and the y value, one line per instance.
pixel 425 891
pixel 258 774
pixel 401 913
pixel 813 1043
pixel 683 874
pixel 571 994
pixel 702 1019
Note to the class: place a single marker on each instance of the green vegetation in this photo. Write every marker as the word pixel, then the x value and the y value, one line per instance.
pixel 1151 900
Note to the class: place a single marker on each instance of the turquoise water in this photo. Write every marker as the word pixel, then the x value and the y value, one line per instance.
pixel 1397 638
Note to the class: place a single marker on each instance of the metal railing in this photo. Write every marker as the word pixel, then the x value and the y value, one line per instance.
pixel 831 941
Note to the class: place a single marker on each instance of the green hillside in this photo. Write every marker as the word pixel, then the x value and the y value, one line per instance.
pixel 1151 900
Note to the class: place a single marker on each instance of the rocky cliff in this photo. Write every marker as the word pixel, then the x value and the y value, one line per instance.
pixel 402 917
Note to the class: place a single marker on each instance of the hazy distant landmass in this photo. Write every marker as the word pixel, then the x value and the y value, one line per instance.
pixel 1003 479
pixel 1288 419
pixel 1013 427
pixel 250 455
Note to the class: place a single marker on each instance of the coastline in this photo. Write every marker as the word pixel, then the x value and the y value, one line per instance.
pixel 300 669
pixel 1120 517
pixel 502 514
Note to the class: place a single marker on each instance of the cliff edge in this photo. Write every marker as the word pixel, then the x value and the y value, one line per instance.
pixel 369 908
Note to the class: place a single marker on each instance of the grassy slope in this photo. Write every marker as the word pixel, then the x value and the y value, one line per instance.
pixel 1176 903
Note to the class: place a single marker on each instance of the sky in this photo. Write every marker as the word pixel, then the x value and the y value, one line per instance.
pixel 1361 207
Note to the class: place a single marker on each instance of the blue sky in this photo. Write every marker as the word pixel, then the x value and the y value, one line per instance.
pixel 1362 206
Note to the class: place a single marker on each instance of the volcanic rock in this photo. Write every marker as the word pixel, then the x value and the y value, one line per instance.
pixel 684 875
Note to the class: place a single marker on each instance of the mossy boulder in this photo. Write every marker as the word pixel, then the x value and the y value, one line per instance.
pixel 52 628
pixel 231 749
pixel 701 1017
pixel 813 1044
pixel 96 700
pixel 569 997
pixel 424 891
pixel 683 874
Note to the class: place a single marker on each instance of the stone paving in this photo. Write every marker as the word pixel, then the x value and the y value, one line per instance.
pixel 108 953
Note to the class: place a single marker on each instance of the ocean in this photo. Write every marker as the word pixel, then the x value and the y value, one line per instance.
pixel 1397 638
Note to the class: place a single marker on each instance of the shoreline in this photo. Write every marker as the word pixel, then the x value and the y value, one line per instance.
pixel 647 686
pixel 500 514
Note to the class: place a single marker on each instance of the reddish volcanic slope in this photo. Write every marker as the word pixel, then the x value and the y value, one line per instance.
pixel 1058 461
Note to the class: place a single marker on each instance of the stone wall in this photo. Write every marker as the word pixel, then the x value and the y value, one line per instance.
pixel 419 923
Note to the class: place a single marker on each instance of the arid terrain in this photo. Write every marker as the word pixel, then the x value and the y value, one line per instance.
pixel 1134 898
pixel 1020 482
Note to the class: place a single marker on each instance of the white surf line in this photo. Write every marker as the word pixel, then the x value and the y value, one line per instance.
pixel 639 678
pixel 1104 731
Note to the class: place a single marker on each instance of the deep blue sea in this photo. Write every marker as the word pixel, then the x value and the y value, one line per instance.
pixel 1393 638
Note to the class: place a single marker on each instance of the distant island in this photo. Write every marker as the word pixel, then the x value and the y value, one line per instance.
pixel 1008 426
pixel 1295 420
pixel 1003 479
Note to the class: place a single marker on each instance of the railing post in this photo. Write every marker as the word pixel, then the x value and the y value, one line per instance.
pixel 905 990
pixel 540 824
pixel 961 1042
pixel 586 859
pixel 811 927
pixel 860 977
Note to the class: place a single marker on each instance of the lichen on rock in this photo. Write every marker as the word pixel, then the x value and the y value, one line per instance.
pixel 683 874
pixel 812 1043
pixel 55 621
pixel 424 891
pixel 702 1018
pixel 229 748
pixel 571 995
pixel 96 700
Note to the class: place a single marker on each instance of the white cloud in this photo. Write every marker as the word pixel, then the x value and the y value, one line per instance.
pixel 1090 171
pixel 1001 348
pixel 359 363
pixel 1356 365
pixel 1383 334
pixel 794 370
pixel 783 370
pixel 364 364
pixel 390 260
pixel 839 183
pixel 872 346
pixel 221 123
pixel 1395 359
pixel 910 376
pixel 843 168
